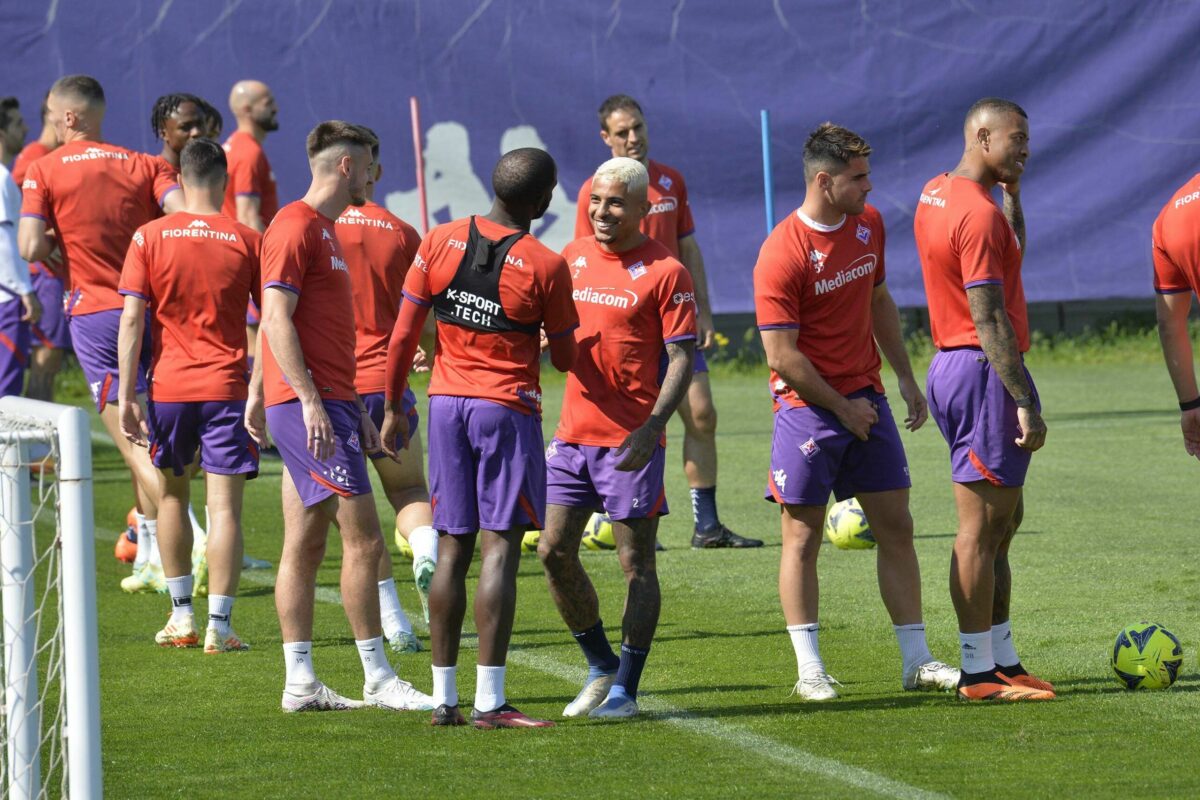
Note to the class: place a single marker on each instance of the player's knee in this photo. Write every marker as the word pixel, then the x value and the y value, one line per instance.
pixel 555 555
pixel 894 534
pixel 702 421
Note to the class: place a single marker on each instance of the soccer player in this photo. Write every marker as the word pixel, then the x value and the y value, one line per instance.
pixel 824 312
pixel 19 304
pixel 177 119
pixel 608 453
pixel 198 386
pixel 94 195
pixel 980 394
pixel 320 425
pixel 50 338
pixel 623 129
pixel 378 248
pixel 1176 249
pixel 493 289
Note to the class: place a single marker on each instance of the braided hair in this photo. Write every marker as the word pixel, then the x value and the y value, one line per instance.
pixel 167 105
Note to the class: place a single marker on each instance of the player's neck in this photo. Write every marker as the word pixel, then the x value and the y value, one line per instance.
pixel 83 135
pixel 246 126
pixel 973 169
pixel 506 218
pixel 170 156
pixel 616 248
pixel 821 212
pixel 48 139
pixel 326 198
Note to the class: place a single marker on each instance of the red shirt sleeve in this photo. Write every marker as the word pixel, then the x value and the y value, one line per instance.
pixel 686 225
pixel 165 179
pixel 881 231
pixel 779 279
pixel 254 241
pixel 285 257
pixel 245 176
pixel 583 222
pixel 135 280
pixel 416 282
pixel 677 304
pixel 559 315
pixel 35 196
pixel 979 240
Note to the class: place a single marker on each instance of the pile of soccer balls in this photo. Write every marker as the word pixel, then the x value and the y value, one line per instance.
pixel 598 535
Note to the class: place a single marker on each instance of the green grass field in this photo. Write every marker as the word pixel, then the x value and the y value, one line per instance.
pixel 1108 540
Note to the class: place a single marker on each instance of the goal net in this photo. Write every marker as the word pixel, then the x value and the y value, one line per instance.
pixel 50 721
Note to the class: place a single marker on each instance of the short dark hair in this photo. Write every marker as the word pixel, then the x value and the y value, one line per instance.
pixel 212 117
pixel 997 104
pixel 337 132
pixel 617 102
pixel 167 105
pixel 374 147
pixel 85 87
pixel 523 176
pixel 203 161
pixel 830 148
pixel 7 106
pixel 45 107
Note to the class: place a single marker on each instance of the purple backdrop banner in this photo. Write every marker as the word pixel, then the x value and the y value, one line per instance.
pixel 1110 88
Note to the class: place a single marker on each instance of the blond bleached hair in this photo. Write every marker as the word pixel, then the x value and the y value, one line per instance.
pixel 628 171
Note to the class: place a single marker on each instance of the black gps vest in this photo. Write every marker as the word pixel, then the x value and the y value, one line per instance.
pixel 472 300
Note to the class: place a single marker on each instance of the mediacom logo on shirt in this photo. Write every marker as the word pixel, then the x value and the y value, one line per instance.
pixel 664 206
pixel 605 296
pixel 861 268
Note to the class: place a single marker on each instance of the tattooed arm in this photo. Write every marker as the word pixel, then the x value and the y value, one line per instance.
pixel 639 445
pixel 1012 210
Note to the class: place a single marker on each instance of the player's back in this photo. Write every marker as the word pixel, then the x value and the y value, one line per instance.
pixel 196 272
pixel 95 195
pixel 534 290
pixel 378 247
pixel 963 240
pixel 1176 241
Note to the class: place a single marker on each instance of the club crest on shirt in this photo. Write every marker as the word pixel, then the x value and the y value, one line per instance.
pixel 810 448
pixel 636 270
pixel 665 182
pixel 818 260
pixel 863 233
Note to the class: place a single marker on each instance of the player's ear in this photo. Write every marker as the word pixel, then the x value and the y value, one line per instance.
pixel 378 172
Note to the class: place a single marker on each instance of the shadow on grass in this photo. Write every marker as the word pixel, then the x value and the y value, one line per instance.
pixel 1121 414
pixel 796 706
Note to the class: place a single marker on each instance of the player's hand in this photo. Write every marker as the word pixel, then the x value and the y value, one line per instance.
pixel 393 433
pixel 857 416
pixel 1190 422
pixel 321 441
pixel 256 420
pixel 706 332
pixel 32 308
pixel 918 409
pixel 543 340
pixel 133 423
pixel 420 361
pixel 369 434
pixel 1033 429
pixel 638 448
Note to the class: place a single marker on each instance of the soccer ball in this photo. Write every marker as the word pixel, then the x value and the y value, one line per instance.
pixel 529 541
pixel 847 527
pixel 402 545
pixel 1146 656
pixel 598 535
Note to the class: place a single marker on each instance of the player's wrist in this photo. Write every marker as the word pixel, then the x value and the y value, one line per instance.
pixel 1190 405
pixel 1024 401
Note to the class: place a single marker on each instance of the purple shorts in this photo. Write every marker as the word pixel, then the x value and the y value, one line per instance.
pixel 486 468
pixel 95 339
pixel 978 418
pixel 51 330
pixel 215 426
pixel 584 476
pixel 699 364
pixel 344 473
pixel 14 345
pixel 812 454
pixel 253 315
pixel 377 401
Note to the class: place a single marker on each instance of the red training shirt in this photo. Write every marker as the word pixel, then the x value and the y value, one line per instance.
pixel 670 217
pixel 1176 242
pixel 29 154
pixel 249 174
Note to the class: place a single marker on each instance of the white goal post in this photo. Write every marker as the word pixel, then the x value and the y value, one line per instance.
pixel 52 586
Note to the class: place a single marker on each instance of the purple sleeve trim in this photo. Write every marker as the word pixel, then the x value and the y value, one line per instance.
pixel 560 334
pixel 989 282
pixel 281 285
pixel 681 338
pixel 412 299
pixel 163 198
pixel 789 326
pixel 686 234
pixel 132 293
pixel 35 216
pixel 247 194
pixel 1171 291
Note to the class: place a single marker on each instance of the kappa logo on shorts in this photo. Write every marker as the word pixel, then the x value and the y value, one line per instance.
pixel 337 473
pixel 352 443
pixel 551 450
pixel 863 233
pixel 810 448
pixel 780 478
pixel 95 387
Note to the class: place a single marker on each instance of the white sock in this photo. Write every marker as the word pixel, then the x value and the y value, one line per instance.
pixel 1002 645
pixel 976 649
pixel 445 686
pixel 424 542
pixel 297 659
pixel 489 687
pixel 152 555
pixel 390 613
pixel 804 642
pixel 143 542
pixel 197 529
pixel 220 610
pixel 914 651
pixel 181 597
pixel 376 668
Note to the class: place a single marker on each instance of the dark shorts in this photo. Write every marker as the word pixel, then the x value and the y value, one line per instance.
pixel 376 402
pixel 253 315
pixel 978 418
pixel 95 339
pixel 584 476
pixel 51 330
pixel 812 454
pixel 14 345
pixel 486 466
pixel 344 473
pixel 216 427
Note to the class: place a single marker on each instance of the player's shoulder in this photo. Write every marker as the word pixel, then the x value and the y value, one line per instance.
pixel 660 261
pixel 1186 200
pixel 247 233
pixel 871 215
pixel 296 218
pixel 579 247
pixel 666 177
